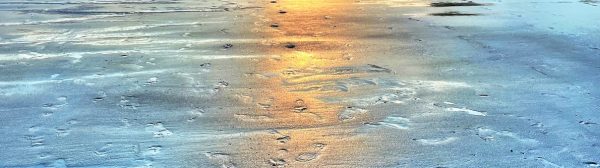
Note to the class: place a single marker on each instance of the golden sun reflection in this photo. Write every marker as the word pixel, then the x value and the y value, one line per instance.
pixel 312 5
pixel 317 44
pixel 311 39
pixel 303 59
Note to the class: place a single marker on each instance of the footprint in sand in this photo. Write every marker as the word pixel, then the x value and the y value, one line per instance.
pixel 58 163
pixel 351 113
pixel 129 102
pixel 51 108
pixel 153 150
pixel 592 164
pixel 266 104
pixel 102 151
pixel 151 81
pixel 283 139
pixel 101 95
pixel 35 141
pixel 195 113
pixel 300 106
pixel 277 162
pixel 221 159
pixel 305 157
pixel 244 98
pixel 312 155
pixel 158 130
pixel 62 132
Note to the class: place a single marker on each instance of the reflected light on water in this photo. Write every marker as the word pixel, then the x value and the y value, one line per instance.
pixel 302 70
pixel 307 131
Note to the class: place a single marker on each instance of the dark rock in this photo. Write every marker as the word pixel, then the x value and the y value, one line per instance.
pixel 454 13
pixel 290 45
pixel 450 4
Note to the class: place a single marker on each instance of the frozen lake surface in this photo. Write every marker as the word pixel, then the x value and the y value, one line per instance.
pixel 299 83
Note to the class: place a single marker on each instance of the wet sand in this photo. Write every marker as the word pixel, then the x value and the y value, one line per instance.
pixel 299 83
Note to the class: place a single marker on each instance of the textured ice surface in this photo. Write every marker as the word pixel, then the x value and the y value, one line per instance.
pixel 299 83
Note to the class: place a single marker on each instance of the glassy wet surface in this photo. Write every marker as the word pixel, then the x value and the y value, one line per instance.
pixel 299 83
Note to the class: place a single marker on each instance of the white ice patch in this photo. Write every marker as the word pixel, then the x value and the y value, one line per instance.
pixel 54 76
pixel 440 86
pixel 59 20
pixel 395 3
pixel 82 79
pixel 437 141
pixel 143 27
pixel 252 117
pixel 396 122
pixel 466 110
pixel 40 56
pixel 489 134
pixel 395 98
pixel 452 107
